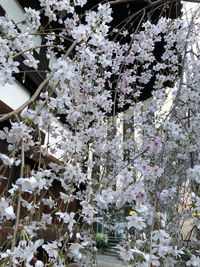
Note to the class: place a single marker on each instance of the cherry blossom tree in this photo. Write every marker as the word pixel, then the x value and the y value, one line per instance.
pixel 113 150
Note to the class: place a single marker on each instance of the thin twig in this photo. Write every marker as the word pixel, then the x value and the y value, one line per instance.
pixel 39 46
pixel 19 196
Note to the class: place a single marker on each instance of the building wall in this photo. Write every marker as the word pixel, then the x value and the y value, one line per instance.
pixel 14 95
pixel 13 8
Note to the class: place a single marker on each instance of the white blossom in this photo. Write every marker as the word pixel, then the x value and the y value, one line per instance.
pixel 51 249
pixel 6 210
pixel 194 173
pixel 136 222
pixel 75 251
pixel 194 261
pixel 6 160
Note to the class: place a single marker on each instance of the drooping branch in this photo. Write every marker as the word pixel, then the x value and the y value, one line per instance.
pixel 39 46
pixel 7 116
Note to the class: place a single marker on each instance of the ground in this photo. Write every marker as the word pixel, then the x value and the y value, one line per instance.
pixel 104 261
pixel 109 261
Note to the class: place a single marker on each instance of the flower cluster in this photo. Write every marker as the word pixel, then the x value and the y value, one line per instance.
pixel 107 158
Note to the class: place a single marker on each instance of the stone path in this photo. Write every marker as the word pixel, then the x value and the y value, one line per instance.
pixel 104 261
pixel 108 261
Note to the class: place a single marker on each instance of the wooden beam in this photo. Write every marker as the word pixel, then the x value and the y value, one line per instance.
pixel 4 108
pixel 2 11
pixel 31 3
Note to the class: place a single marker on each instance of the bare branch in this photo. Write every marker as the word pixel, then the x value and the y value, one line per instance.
pixel 116 2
